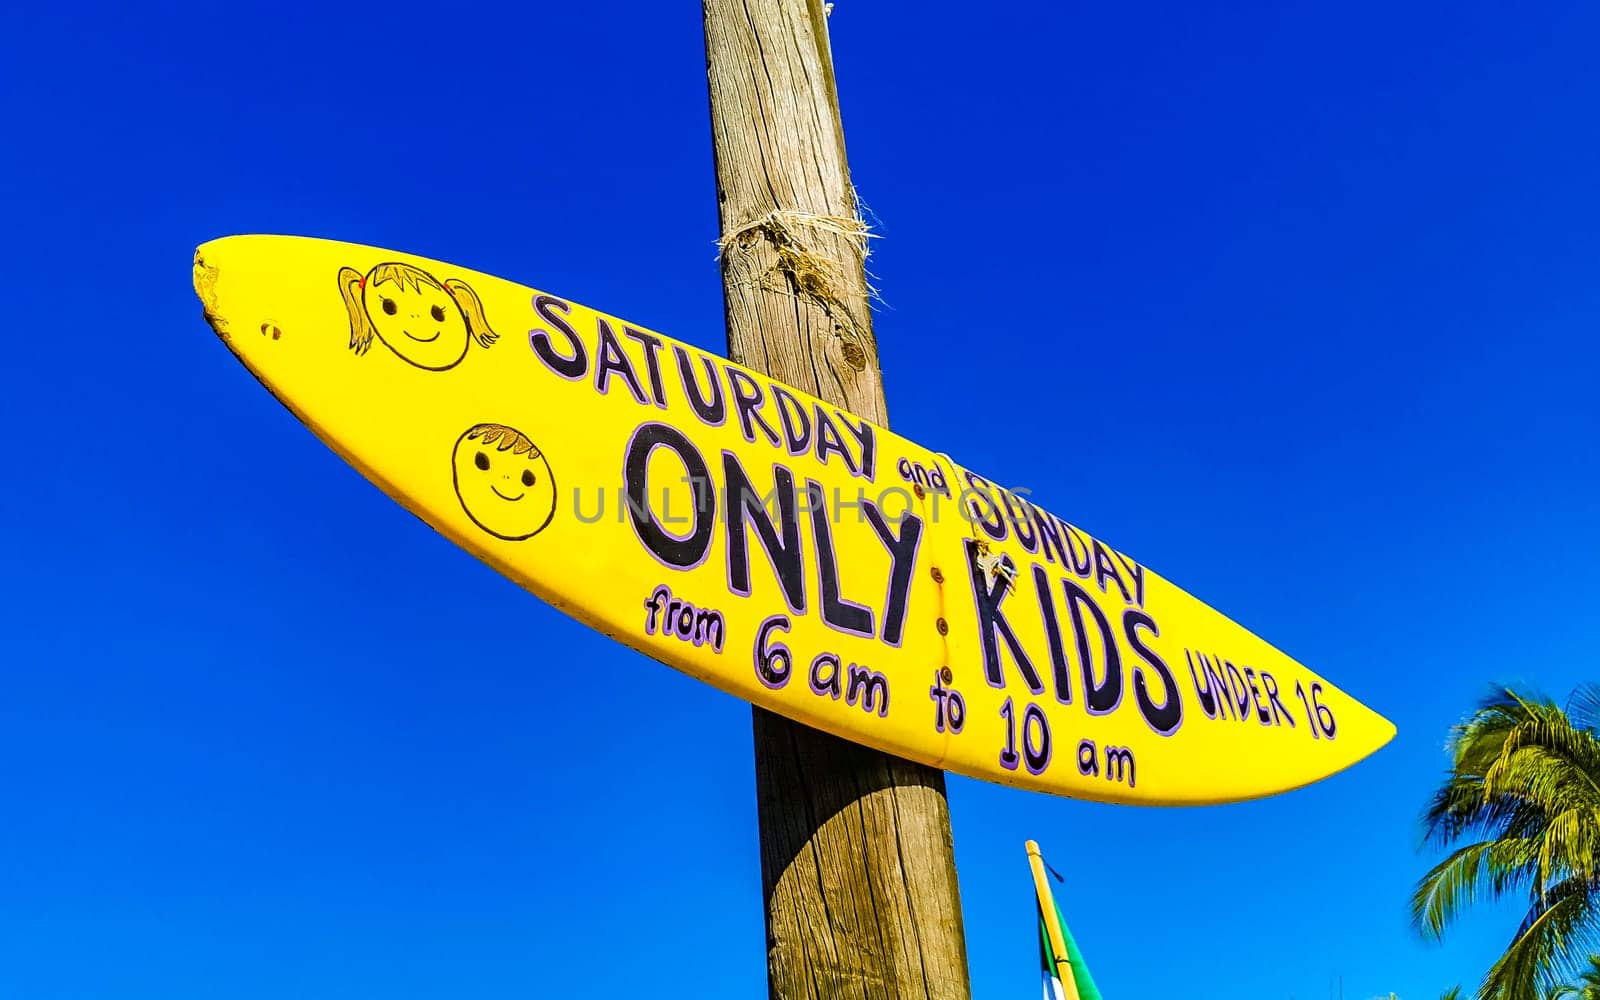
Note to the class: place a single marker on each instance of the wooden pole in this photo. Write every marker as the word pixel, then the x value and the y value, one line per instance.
pixel 1047 907
pixel 857 861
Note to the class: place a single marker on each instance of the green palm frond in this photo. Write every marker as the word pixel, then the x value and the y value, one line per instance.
pixel 1588 981
pixel 1488 867
pixel 1538 957
pixel 1519 810
pixel 1583 707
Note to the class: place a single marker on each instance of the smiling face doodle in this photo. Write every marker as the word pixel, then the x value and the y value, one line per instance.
pixel 504 482
pixel 427 322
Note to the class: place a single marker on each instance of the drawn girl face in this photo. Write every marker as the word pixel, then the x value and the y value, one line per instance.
pixel 504 483
pixel 419 322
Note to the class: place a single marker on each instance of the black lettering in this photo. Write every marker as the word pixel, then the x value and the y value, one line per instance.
pixel 1106 568
pixel 659 599
pixel 612 358
pixel 868 443
pixel 651 344
pixel 1166 717
pixel 711 411
pixel 1137 572
pixel 747 399
pixel 1088 758
pixel 710 628
pixel 1209 696
pixel 1075 545
pixel 1241 693
pixel 940 696
pixel 744 506
pixel 1049 535
pixel 1271 684
pixel 1052 631
pixel 992 626
pixel 773 661
pixel 958 711
pixel 837 612
pixel 829 685
pixel 682 553
pixel 573 366
pixel 1219 683
pixel 1036 757
pixel 870 688
pixel 1119 762
pixel 902 564
pixel 829 441
pixel 796 424
pixel 1099 697
pixel 1021 526
pixel 1255 698
pixel 979 485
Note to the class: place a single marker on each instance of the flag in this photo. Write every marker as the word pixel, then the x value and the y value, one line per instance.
pixel 1053 988
pixel 1082 984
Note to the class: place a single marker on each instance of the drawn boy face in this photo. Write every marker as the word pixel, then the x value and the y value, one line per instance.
pixel 504 482
pixel 419 322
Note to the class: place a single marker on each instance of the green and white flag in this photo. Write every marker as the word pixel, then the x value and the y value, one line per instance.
pixel 1077 969
pixel 1053 990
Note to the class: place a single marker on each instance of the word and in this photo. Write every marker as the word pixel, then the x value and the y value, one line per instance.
pixel 827 677
pixel 765 409
pixel 932 479
pixel 678 618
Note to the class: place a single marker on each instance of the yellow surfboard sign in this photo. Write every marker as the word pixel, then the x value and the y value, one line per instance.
pixel 767 542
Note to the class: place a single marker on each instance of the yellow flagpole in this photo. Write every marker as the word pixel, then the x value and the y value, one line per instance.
pixel 1047 906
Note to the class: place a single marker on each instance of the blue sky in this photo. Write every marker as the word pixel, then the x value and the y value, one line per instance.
pixel 1296 304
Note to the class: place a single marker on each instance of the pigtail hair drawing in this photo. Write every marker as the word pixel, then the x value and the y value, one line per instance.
pixel 361 331
pixel 472 309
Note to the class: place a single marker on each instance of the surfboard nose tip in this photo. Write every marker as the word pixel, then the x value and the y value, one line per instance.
pixel 1387 733
pixel 1376 732
pixel 212 260
pixel 204 275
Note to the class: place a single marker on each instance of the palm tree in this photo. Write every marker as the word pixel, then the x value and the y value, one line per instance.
pixel 1588 984
pixel 1522 801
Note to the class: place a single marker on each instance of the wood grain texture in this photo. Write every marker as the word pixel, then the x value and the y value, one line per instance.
pixel 858 864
